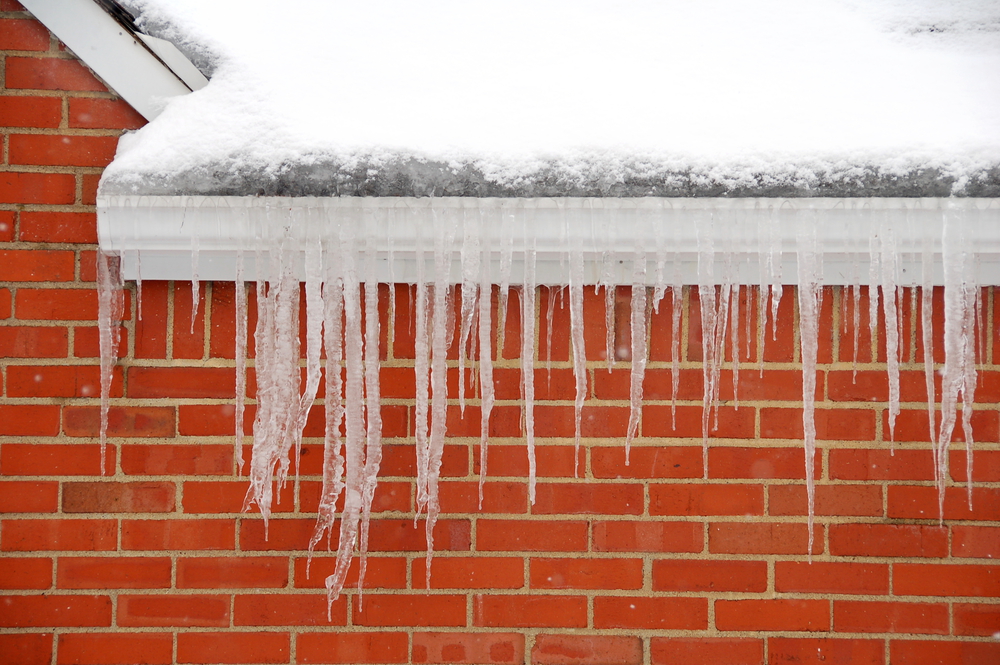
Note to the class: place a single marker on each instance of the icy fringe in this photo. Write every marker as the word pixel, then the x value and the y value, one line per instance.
pixel 466 251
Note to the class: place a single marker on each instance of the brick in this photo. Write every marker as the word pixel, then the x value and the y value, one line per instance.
pixel 976 619
pixel 831 577
pixel 381 572
pixel 23 35
pixel 151 330
pixel 524 611
pixel 470 573
pixel 56 304
pixel 113 497
pixel 854 500
pixel 33 342
pixel 115 649
pixel 782 614
pixel 184 459
pixel 63 534
pixel 540 536
pixel 926 652
pixel 123 421
pixel 281 534
pixel 220 496
pixel 30 111
pixel 911 425
pixel 29 420
pixel 647 536
pixel 691 499
pixel 113 572
pixel 187 343
pixel 27 648
pixel 650 613
pixel 981 542
pixel 65 150
pixel 287 610
pixel 181 382
pixel 552 461
pixel 706 650
pixel 855 464
pixel 54 459
pixel 908 502
pixel 86 343
pixel 589 498
pixel 181 535
pixel 498 497
pixel 499 648
pixel 410 610
pixel 762 538
pixel 26 573
pixel 709 575
pixel 59 381
pixel 52 610
pixel 389 496
pixel 231 572
pixel 350 648
pixel 179 611
pixel 879 617
pixel 93 113
pixel 90 183
pixel 586 573
pixel 72 227
pixel 985 468
pixel 36 188
pixel 5 297
pixel 212 420
pixel 918 579
pixel 36 265
pixel 760 463
pixel 733 423
pixel 222 648
pixel 831 424
pixel 825 651
pixel 893 540
pixel 29 497
pixel 586 650
pixel 653 462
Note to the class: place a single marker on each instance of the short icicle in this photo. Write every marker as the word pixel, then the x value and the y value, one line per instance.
pixel 470 295
pixel 639 319
pixel 890 290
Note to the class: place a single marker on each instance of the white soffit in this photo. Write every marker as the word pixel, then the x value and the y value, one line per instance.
pixel 159 236
pixel 129 66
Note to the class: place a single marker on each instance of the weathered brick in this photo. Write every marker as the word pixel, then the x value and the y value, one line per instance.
pixel 287 610
pixel 52 534
pixel 178 535
pixel 647 536
pixel 123 421
pixel 231 572
pixel 586 650
pixel 114 497
pixel 490 648
pixel 113 573
pixel 690 499
pixel 525 611
pixel 173 610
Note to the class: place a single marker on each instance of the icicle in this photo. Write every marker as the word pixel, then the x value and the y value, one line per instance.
pixel 110 309
pixel 873 281
pixel 774 265
pixel 314 337
pixel 485 356
pixel 506 257
pixel 810 271
pixel 470 287
pixel 577 338
pixel 550 310
pixel 138 262
pixel 528 352
pixel 855 302
pixel 765 269
pixel 734 334
pixel 195 285
pixel 609 282
pixel 676 303
pixel 421 368
pixel 707 299
pixel 241 356
pixel 639 350
pixel 890 292
pixel 927 332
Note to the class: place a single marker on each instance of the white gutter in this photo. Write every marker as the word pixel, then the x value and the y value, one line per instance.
pixel 161 234
pixel 143 77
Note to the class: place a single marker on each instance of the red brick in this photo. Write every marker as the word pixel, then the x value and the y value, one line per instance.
pixel 231 572
pixel 29 111
pixel 26 573
pixel 66 150
pixel 351 647
pixel 123 421
pixel 212 420
pixel 919 579
pixel 223 648
pixel 589 498
pixel 93 113
pixel 29 497
pixel 113 497
pixel 58 381
pixel 90 183
pixel 500 648
pixel 653 462
pixel 56 304
pixel 281 534
pixel 926 652
pixel 524 611
pixel 650 613
pixel 853 464
pixel 36 265
pixel 54 459
pixel 29 420
pixel 86 343
pixel 389 496
pixel 75 227
pixel 586 650
pixel 5 297
pixel 760 463
pixel 27 648
pixel 115 649
pixel 391 535
pixel 219 496
pixel 586 573
pixel 824 651
pixel 856 500
pixel 909 502
pixel 902 540
pixel 981 542
pixel 287 610
pixel 50 534
pixel 831 424
pixel 470 573
pixel 146 534
pixel 785 615
pixel 188 344
pixel 33 342
pixel 706 651
pixel 181 382
pixel 380 572
pixel 498 497
pixel 410 610
pixel 151 330
pixel 52 610
pixel 596 421
pixel 648 536
pixel 173 610
pixel 831 577
pixel 690 499
pixel 976 619
pixel 113 572
pixel 985 467
pixel 520 536
pixel 184 459
pixel 911 425
pixel 23 35
pixel 733 423
pixel 762 538
pixel 867 617
pixel 36 188
pixel 709 575
pixel 552 461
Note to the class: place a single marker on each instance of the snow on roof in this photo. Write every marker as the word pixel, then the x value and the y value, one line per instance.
pixel 575 97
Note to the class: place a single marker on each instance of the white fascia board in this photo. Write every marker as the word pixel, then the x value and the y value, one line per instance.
pixel 123 62
pixel 158 236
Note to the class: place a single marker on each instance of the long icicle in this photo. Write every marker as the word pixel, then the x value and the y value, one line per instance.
pixel 639 318
pixel 110 308
pixel 527 353
pixel 578 341
pixel 485 355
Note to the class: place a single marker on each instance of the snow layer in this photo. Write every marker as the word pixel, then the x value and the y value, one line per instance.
pixel 575 98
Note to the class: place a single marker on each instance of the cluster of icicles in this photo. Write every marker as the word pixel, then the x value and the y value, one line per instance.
pixel 341 256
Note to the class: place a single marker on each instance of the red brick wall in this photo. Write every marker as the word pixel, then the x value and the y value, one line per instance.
pixel 650 563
